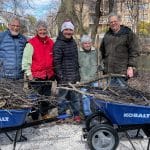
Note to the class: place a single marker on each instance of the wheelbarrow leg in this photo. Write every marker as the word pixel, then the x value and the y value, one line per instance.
pixel 8 136
pixel 148 146
pixel 128 137
pixel 21 138
pixel 15 140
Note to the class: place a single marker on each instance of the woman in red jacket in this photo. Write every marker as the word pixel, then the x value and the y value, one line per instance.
pixel 37 64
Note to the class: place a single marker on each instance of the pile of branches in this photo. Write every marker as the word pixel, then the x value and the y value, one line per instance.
pixel 141 82
pixel 125 94
pixel 13 95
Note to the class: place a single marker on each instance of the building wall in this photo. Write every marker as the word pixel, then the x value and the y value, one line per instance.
pixel 127 11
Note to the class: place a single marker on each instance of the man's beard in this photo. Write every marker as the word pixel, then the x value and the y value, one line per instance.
pixel 14 33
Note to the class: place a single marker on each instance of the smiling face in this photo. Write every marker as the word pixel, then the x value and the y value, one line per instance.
pixel 42 32
pixel 14 27
pixel 114 23
pixel 68 33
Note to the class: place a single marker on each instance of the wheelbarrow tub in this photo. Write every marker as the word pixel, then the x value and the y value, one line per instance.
pixel 12 117
pixel 123 113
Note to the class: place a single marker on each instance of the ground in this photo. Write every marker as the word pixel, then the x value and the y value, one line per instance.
pixel 60 137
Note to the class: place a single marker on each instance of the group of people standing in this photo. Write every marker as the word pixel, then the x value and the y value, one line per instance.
pixel 40 59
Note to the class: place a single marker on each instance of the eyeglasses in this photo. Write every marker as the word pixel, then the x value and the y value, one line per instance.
pixel 17 26
pixel 111 22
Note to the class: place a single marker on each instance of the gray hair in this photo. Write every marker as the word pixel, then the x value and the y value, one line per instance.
pixel 86 38
pixel 14 18
pixel 41 23
pixel 114 14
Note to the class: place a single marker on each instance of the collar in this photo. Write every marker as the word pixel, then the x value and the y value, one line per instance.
pixel 43 40
pixel 92 49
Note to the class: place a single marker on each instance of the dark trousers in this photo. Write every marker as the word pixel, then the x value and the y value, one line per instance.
pixel 42 88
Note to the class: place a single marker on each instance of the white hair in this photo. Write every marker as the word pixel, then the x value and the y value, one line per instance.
pixel 86 38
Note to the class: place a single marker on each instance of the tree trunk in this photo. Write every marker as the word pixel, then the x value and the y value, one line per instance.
pixel 111 6
pixel 67 11
pixel 98 14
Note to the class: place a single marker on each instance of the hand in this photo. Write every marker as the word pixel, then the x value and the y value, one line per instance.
pixel 130 72
pixel 30 77
pixel 78 82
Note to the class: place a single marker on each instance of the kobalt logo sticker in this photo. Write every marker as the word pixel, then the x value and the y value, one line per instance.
pixel 4 118
pixel 136 115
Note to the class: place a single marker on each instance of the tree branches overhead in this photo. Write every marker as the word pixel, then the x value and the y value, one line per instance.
pixel 78 10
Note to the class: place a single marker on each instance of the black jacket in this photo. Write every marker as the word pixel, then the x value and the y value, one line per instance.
pixel 119 50
pixel 66 60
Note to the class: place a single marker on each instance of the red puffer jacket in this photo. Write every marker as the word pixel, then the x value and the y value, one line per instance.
pixel 42 59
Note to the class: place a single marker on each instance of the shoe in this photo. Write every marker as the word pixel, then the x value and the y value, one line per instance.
pixel 77 119
pixel 47 116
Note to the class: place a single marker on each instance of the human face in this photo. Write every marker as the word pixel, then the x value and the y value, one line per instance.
pixel 114 24
pixel 68 33
pixel 14 27
pixel 87 46
pixel 42 32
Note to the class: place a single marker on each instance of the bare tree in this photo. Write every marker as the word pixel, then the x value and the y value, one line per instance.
pixel 133 8
pixel 75 11
pixel 111 6
pixel 67 11
pixel 98 14
pixel 17 7
pixel 52 25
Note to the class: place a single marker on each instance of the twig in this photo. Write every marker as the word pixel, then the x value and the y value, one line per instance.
pixel 113 92
pixel 97 79
pixel 99 96
pixel 20 98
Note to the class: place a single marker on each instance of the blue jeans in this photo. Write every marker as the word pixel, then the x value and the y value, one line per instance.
pixel 118 81
pixel 68 99
pixel 86 100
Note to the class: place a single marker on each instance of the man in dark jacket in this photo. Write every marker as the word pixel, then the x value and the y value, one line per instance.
pixel 12 44
pixel 119 49
pixel 67 67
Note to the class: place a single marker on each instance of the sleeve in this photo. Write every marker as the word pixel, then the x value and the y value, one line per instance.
pixel 133 49
pixel 58 60
pixel 27 59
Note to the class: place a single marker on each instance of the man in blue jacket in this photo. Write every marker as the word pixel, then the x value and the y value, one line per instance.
pixel 12 44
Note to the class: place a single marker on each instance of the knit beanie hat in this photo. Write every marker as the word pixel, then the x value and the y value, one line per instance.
pixel 67 25
pixel 86 38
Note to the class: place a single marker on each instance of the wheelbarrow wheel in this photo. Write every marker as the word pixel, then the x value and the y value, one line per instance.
pixel 96 118
pixel 103 137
